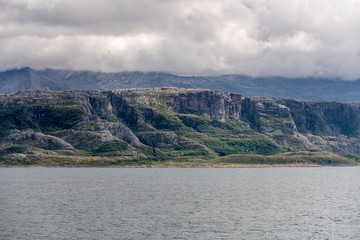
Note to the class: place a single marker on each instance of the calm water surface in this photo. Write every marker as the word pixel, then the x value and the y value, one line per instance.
pixel 237 203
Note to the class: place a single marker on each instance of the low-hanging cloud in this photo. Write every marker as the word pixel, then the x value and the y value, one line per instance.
pixel 291 38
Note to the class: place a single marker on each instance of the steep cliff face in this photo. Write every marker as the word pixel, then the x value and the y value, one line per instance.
pixel 212 104
pixel 325 118
pixel 318 118
pixel 311 125
pixel 163 123
pixel 215 105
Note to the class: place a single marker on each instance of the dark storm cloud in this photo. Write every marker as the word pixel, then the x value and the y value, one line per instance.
pixel 256 37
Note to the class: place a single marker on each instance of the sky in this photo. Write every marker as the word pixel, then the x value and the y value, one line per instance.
pixel 289 38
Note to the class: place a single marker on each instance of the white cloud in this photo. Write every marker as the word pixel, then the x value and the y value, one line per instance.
pixel 293 38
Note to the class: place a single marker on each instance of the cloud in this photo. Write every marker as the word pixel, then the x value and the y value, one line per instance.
pixel 292 38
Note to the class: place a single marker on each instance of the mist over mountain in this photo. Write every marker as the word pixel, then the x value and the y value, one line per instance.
pixel 293 88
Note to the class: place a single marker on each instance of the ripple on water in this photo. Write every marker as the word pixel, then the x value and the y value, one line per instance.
pixel 98 203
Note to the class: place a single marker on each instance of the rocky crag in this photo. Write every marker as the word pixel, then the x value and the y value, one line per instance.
pixel 158 125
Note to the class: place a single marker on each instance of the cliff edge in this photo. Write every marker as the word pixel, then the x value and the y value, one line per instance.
pixel 157 125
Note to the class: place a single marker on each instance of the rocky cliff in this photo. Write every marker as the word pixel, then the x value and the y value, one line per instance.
pixel 159 124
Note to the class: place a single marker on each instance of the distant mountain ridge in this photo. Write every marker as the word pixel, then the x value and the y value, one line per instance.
pixel 294 88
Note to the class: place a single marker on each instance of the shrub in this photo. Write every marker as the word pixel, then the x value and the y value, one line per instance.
pixel 15 118
pixel 194 122
pixel 61 118
pixel 110 118
pixel 242 146
pixel 16 149
pixel 167 120
pixel 112 146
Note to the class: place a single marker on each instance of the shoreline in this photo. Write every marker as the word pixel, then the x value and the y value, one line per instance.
pixel 181 166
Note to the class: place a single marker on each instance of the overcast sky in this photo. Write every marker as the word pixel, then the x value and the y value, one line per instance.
pixel 292 38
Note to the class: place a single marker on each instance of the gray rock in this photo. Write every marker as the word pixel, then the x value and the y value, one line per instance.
pixel 37 139
pixel 160 139
pixel 116 129
pixel 305 125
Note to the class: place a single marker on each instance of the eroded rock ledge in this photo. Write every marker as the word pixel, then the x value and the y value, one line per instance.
pixel 171 123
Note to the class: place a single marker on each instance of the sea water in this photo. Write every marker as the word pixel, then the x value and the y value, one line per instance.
pixel 180 203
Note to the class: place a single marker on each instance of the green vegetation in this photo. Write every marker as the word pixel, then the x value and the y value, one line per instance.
pixel 271 124
pixel 166 120
pixel 267 136
pixel 306 158
pixel 58 118
pixel 195 122
pixel 346 121
pixel 260 159
pixel 309 120
pixel 326 158
pixel 224 138
pixel 111 147
pixel 14 117
pixel 242 146
pixel 16 149
pixel 215 127
pixel 110 118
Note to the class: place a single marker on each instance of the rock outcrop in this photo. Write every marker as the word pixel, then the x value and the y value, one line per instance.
pixel 37 139
pixel 172 122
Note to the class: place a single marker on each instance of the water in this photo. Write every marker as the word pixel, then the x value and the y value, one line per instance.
pixel 237 203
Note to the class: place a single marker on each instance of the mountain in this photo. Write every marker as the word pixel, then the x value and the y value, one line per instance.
pixel 173 126
pixel 294 88
pixel 26 78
